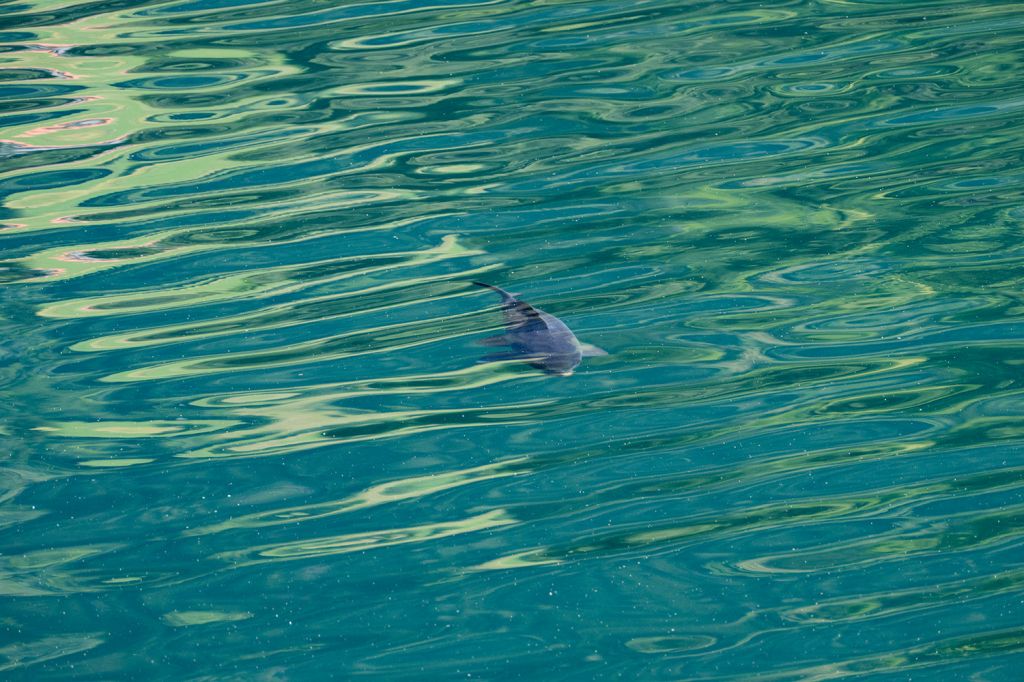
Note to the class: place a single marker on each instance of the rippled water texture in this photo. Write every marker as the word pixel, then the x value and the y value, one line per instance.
pixel 245 434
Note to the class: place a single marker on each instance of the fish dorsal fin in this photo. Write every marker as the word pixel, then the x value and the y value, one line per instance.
pixel 519 314
pixel 589 350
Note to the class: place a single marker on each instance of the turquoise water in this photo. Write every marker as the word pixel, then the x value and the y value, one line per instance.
pixel 245 434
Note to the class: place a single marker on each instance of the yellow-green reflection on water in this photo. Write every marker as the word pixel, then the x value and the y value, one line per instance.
pixel 359 542
pixel 392 491
pixel 244 428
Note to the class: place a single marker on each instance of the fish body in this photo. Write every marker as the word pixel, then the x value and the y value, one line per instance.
pixel 537 337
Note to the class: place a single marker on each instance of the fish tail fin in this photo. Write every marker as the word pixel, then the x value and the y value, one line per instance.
pixel 496 340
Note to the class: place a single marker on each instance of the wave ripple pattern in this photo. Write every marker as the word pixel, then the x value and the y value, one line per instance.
pixel 244 431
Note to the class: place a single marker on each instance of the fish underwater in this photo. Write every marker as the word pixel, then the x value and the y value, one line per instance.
pixel 536 337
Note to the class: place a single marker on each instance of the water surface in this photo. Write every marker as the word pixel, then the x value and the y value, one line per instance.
pixel 244 429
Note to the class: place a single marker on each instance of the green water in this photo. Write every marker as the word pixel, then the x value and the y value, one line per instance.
pixel 244 431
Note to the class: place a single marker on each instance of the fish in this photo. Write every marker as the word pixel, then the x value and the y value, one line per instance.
pixel 536 337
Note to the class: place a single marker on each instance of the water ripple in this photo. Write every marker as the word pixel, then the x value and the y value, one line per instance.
pixel 242 390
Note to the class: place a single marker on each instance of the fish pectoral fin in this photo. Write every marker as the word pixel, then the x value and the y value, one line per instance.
pixel 589 350
pixel 507 355
pixel 496 340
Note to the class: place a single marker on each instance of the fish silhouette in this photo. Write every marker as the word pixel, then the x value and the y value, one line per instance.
pixel 536 337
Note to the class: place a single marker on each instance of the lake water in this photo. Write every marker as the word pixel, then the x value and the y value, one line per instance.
pixel 244 431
